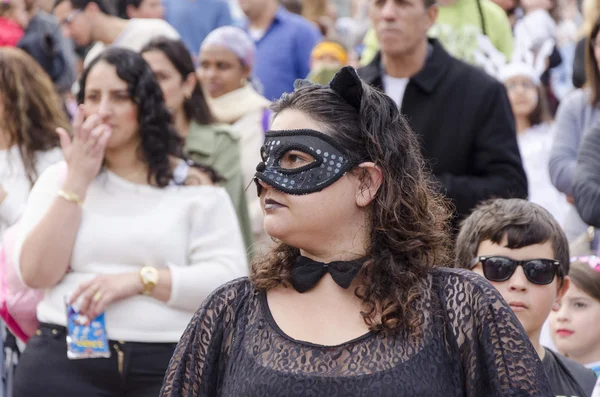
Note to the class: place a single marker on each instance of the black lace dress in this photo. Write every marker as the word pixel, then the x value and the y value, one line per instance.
pixel 472 345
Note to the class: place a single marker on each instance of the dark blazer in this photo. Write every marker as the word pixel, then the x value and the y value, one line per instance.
pixel 464 121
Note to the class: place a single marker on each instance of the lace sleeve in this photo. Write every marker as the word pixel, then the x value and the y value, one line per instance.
pixel 497 357
pixel 202 351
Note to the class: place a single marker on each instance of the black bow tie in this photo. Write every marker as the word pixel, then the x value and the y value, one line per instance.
pixel 307 272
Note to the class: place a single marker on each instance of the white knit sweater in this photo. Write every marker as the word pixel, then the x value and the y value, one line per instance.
pixel 192 230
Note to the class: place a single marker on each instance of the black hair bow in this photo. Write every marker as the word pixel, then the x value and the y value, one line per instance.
pixel 306 272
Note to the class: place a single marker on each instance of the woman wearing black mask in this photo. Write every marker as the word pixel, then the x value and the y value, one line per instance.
pixel 353 301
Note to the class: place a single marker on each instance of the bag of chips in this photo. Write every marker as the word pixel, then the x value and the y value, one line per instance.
pixel 85 338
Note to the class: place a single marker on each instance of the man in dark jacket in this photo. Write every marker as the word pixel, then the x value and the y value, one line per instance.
pixel 461 115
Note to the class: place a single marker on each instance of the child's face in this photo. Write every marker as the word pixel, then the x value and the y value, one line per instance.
pixel 523 95
pixel 574 326
pixel 531 303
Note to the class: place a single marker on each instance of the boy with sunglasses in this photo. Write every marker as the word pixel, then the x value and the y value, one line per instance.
pixel 521 249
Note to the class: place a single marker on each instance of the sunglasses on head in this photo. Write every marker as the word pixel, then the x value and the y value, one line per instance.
pixel 501 268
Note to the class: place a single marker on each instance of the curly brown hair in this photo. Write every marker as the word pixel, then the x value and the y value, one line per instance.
pixel 409 218
pixel 32 109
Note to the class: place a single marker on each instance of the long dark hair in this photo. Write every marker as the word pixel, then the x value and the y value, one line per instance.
pixel 541 114
pixel 32 108
pixel 159 140
pixel 409 218
pixel 195 107
pixel 591 65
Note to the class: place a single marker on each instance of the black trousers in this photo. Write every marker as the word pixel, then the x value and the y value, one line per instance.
pixel 133 370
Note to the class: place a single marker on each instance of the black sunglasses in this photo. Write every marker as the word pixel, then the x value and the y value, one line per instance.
pixel 501 268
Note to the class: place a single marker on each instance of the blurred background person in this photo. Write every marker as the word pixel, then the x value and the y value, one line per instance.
pixel 323 13
pixel 206 141
pixel 574 324
pixel 13 21
pixel 591 12
pixel 534 134
pixel 45 42
pixel 586 189
pixel 461 114
pixel 577 114
pixel 89 21
pixel 144 238
pixel 536 32
pixel 326 59
pixel 129 9
pixel 284 42
pixel 470 30
pixel 29 113
pixel 227 58
pixel 195 19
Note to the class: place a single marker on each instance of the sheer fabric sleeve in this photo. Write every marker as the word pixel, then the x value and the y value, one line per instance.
pixel 496 355
pixel 201 355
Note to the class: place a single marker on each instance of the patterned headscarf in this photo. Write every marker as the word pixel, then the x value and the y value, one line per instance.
pixel 235 40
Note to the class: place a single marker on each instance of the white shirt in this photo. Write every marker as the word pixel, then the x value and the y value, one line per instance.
pixel 13 179
pixel 192 230
pixel 256 34
pixel 596 392
pixel 394 88
pixel 136 35
pixel 535 145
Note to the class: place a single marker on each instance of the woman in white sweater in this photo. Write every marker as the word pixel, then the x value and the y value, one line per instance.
pixel 28 117
pixel 120 230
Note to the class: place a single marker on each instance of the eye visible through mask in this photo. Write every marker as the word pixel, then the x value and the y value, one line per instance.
pixel 301 161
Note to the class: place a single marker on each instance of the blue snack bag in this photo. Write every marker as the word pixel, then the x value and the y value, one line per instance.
pixel 86 339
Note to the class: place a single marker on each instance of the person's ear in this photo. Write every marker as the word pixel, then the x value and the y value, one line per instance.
pixel 562 289
pixel 189 84
pixel 432 14
pixel 246 72
pixel 370 179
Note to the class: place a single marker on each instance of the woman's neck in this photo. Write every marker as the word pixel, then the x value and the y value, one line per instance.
pixel 349 246
pixel 182 124
pixel 523 124
pixel 125 163
pixel 4 140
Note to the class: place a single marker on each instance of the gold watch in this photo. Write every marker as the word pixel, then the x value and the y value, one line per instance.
pixel 149 277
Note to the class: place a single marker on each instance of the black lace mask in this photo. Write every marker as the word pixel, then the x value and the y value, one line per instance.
pixel 329 162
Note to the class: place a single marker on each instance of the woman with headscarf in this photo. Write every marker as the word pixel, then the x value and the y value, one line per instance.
pixel 225 72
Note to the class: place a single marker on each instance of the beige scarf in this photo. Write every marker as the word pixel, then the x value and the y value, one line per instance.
pixel 234 105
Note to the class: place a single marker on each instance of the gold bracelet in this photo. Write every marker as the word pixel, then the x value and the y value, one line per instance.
pixel 70 196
